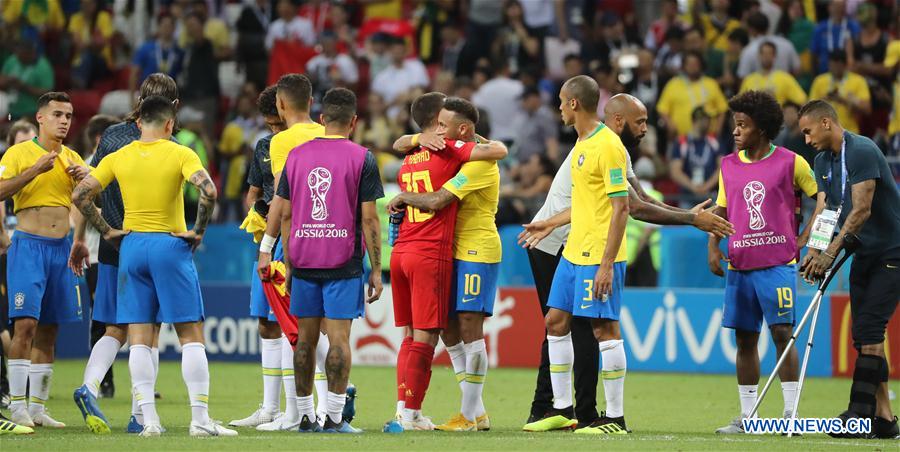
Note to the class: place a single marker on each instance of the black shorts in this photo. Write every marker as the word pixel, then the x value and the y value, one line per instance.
pixel 874 293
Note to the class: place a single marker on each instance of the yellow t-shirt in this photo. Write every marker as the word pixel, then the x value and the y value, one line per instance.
pixel 50 189
pixel 804 178
pixel 894 125
pixel 852 86
pixel 477 185
pixel 49 14
pixel 78 25
pixel 285 141
pixel 681 96
pixel 778 83
pixel 388 9
pixel 151 177
pixel 598 173
pixel 715 38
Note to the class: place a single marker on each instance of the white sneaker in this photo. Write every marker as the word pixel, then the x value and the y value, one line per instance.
pixel 258 417
pixel 22 417
pixel 151 430
pixel 43 419
pixel 418 423
pixel 736 427
pixel 210 429
pixel 280 423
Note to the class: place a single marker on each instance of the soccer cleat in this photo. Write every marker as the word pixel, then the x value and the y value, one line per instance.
pixel 93 417
pixel 605 426
pixel 308 425
pixel 392 426
pixel 554 420
pixel 350 406
pixel 418 423
pixel 8 427
pixel 457 423
pixel 787 416
pixel 280 423
pixel 134 426
pixel 341 427
pixel 258 417
pixel 483 422
pixel 211 428
pixel 107 389
pixel 22 417
pixel 885 429
pixel 736 427
pixel 151 430
pixel 44 420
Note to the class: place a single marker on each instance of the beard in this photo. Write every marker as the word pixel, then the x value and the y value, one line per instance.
pixel 629 139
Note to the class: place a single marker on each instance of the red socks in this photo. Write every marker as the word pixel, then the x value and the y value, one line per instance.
pixel 402 359
pixel 418 374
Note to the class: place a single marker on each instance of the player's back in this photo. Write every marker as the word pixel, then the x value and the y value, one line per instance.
pixel 430 233
pixel 287 140
pixel 151 176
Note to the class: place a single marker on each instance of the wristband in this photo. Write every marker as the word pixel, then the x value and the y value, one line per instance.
pixel 826 253
pixel 415 139
pixel 266 244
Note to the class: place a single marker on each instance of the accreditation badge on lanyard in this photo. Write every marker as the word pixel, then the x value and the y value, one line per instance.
pixel 825 224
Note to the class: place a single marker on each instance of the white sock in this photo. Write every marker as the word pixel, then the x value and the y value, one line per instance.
pixel 140 365
pixel 613 375
pixel 102 356
pixel 136 407
pixel 401 404
pixel 195 371
pixel 473 387
pixel 271 371
pixel 306 407
pixel 409 415
pixel 336 406
pixel 458 359
pixel 18 382
pixel 789 391
pixel 561 356
pixel 287 379
pixel 748 398
pixel 154 356
pixel 321 380
pixel 39 375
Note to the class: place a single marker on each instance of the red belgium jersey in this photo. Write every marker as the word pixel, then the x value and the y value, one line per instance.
pixel 430 234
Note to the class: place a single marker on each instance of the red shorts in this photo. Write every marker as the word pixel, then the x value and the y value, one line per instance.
pixel 421 289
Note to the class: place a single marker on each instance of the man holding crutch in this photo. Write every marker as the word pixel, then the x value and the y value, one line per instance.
pixel 851 175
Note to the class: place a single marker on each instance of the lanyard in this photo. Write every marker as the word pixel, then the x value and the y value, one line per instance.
pixel 164 65
pixel 843 173
pixel 841 35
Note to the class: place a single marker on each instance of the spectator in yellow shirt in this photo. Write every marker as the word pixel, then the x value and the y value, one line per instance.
pixel 684 93
pixel 780 84
pixel 717 24
pixel 846 91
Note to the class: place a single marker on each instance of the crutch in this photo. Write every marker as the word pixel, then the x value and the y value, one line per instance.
pixel 850 244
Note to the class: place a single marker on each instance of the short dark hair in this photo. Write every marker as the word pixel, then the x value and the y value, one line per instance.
pixel 462 107
pixel 570 57
pixel 21 125
pixel 693 29
pixel 156 110
pixel 818 109
pixel 338 106
pixel 52 96
pixel 699 112
pixel 769 44
pixel 425 108
pixel 674 33
pixel 266 102
pixel 838 57
pixel 585 90
pixel 762 108
pixel 758 22
pixel 695 54
pixel 740 36
pixel 297 89
pixel 156 84
pixel 98 123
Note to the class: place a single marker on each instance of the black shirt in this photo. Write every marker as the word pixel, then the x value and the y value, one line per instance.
pixel 881 232
pixel 260 173
pixel 201 77
pixel 370 190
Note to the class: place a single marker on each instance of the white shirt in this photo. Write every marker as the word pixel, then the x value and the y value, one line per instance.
pixel 500 98
pixel 346 66
pixel 786 58
pixel 538 13
pixel 393 81
pixel 559 198
pixel 299 28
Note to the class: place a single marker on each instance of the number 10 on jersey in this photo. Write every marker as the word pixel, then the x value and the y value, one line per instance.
pixel 412 185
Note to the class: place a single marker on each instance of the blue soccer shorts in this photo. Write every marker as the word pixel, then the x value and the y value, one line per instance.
pixel 754 295
pixel 474 287
pixel 104 309
pixel 336 299
pixel 158 281
pixel 572 291
pixel 259 305
pixel 40 283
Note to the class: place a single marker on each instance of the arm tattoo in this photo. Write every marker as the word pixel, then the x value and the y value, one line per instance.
pixel 435 200
pixel 375 250
pixel 83 197
pixel 207 201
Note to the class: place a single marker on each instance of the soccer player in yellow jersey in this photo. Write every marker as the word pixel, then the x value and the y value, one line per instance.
pixel 39 175
pixel 476 260
pixel 779 83
pixel 590 278
pixel 157 277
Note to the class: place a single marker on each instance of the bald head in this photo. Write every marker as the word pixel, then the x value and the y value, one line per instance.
pixel 624 105
pixel 626 115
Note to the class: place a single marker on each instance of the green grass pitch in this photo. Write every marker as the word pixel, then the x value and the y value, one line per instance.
pixel 666 412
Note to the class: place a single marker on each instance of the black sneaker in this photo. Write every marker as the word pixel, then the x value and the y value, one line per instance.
pixel 107 389
pixel 620 421
pixel 308 425
pixel 846 415
pixel 885 429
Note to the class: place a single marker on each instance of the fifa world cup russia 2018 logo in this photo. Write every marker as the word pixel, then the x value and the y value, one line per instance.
pixel 319 182
pixel 754 194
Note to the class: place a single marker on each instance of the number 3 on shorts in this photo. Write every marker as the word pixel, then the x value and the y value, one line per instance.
pixel 785 297
pixel 589 288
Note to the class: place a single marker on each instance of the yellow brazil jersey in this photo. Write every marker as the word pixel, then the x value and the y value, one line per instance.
pixel 598 173
pixel 804 178
pixel 894 125
pixel 851 86
pixel 681 96
pixel 477 185
pixel 151 176
pixel 285 141
pixel 778 83
pixel 715 37
pixel 50 189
